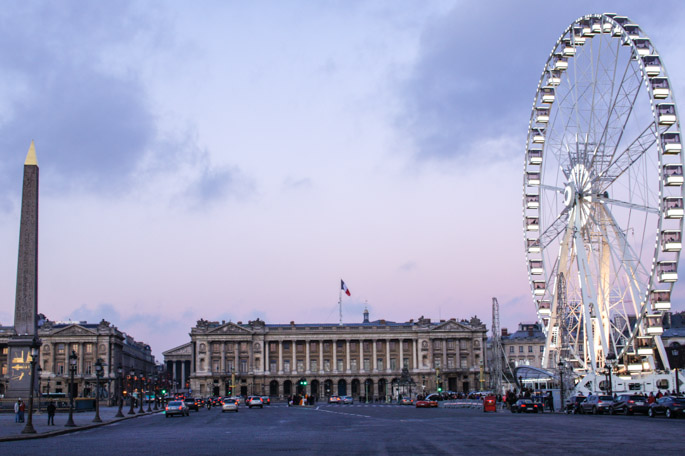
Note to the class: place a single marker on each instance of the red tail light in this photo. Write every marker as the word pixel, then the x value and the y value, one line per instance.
pixel 167 408
pixel 523 405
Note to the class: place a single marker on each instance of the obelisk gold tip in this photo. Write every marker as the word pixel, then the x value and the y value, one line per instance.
pixel 31 156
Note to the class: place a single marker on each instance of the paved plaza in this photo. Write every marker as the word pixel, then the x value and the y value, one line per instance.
pixel 359 429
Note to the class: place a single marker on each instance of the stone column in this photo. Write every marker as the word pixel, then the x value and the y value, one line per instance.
pixel 401 342
pixel 250 356
pixel 293 349
pixel 183 375
pixel 374 362
pixel 335 355
pixel 415 348
pixel 222 364
pixel 361 356
pixel 387 355
pixel 236 355
pixel 280 357
pixel 321 357
pixel 444 353
pixel 175 373
pixel 267 362
pixel 306 360
pixel 347 352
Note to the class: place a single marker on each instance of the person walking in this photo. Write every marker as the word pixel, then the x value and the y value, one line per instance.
pixel 17 406
pixel 51 413
pixel 22 408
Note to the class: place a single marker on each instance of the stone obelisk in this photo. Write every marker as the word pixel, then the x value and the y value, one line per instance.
pixel 26 304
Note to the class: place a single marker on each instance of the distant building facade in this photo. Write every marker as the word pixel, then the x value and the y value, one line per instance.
pixel 524 347
pixel 89 341
pixel 374 359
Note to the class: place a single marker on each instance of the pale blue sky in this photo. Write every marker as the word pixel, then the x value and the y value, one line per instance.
pixel 229 160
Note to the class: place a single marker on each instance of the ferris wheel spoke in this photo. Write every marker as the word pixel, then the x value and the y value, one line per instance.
pixel 623 161
pixel 639 207
pixel 555 229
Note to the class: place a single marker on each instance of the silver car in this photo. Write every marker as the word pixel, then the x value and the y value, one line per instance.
pixel 176 408
pixel 347 400
pixel 229 404
pixel 256 401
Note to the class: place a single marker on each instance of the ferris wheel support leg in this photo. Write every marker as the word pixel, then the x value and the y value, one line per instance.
pixel 587 290
pixel 662 353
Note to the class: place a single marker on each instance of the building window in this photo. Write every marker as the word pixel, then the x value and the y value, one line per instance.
pixel 300 365
pixel 463 363
pixel 216 347
pixel 340 365
pixel 450 362
pixel 229 347
pixel 367 346
pixel 450 344
pixel 437 344
pixel 530 349
pixel 89 367
pixel 313 346
pixel 286 345
pixel 60 349
pixel 542 348
pixel 300 347
pixel 436 363
pixel 314 366
pixel 286 365
pixel 511 349
pixel 367 364
pixel 462 344
pixel 353 365
pixel 405 345
pixel 243 365
pixel 229 366
pixel 274 366
pixel 243 346
pixel 405 363
pixel 89 348
pixel 60 369
pixel 353 345
pixel 393 364
pixel 379 364
pixel 393 345
pixel 520 348
pixel 379 345
pixel 327 365
pixel 339 344
pixel 326 346
pixel 4 369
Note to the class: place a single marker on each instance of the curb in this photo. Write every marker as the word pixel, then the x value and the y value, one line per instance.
pixel 43 435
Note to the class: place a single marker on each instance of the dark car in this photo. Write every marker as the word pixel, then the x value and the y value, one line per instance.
pixel 574 405
pixel 525 406
pixel 670 406
pixel 192 403
pixel 628 404
pixel 597 404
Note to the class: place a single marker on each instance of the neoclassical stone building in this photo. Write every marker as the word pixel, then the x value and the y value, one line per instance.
pixel 364 359
pixel 89 341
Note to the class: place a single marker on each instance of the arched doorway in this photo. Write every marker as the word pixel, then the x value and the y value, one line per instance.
pixel 342 387
pixel 287 388
pixel 315 388
pixel 355 387
pixel 368 390
pixel 273 388
pixel 327 387
pixel 382 388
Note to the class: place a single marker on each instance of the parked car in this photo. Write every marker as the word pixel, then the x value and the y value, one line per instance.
pixel 334 400
pixel 628 404
pixel 574 405
pixel 192 403
pixel 671 406
pixel 425 403
pixel 596 404
pixel 526 406
pixel 229 404
pixel 266 399
pixel 176 408
pixel 347 400
pixel 407 401
pixel 256 401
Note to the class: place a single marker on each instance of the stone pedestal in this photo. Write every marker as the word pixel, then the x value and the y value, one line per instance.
pixel 19 368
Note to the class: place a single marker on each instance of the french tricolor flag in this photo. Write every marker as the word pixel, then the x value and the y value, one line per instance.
pixel 344 288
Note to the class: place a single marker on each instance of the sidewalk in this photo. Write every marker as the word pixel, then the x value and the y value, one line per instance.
pixel 9 430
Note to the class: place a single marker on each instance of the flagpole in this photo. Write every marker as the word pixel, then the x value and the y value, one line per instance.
pixel 340 305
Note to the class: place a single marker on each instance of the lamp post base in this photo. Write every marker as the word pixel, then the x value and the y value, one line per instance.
pixel 28 429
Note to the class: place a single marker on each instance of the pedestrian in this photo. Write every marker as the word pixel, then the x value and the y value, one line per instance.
pixel 17 405
pixel 651 399
pixel 22 408
pixel 51 413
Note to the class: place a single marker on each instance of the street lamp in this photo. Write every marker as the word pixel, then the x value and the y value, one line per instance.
pixel 156 387
pixel 561 384
pixel 130 391
pixel 98 376
pixel 141 392
pixel 120 378
pixel 610 362
pixel 72 370
pixel 149 404
pixel 28 429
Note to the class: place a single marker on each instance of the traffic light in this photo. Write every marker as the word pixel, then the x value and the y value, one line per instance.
pixel 163 392
pixel 440 387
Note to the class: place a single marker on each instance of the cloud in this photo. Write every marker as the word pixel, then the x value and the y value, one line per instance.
pixel 408 266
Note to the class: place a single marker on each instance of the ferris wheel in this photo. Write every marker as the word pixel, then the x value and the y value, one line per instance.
pixel 603 198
